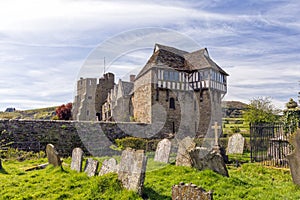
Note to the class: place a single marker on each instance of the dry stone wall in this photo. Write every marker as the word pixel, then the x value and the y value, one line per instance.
pixel 34 135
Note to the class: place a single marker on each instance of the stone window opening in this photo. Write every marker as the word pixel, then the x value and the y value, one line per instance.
pixel 173 127
pixel 172 103
pixel 167 95
pixel 157 93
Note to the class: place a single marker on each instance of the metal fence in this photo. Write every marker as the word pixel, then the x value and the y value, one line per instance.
pixel 269 144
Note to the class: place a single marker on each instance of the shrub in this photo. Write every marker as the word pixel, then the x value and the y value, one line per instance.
pixel 64 112
pixel 137 143
pixel 236 129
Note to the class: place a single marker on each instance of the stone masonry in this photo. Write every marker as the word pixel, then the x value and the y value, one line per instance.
pixel 109 166
pixel 132 169
pixel 162 152
pixel 190 192
pixel 294 158
pixel 184 146
pixel 52 155
pixel 77 157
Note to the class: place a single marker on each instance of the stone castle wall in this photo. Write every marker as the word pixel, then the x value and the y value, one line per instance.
pixel 142 98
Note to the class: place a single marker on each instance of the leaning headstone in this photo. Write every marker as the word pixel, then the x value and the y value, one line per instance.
pixel 132 169
pixel 294 158
pixel 162 152
pixel 183 158
pixel 203 159
pixel 91 167
pixel 52 155
pixel 109 166
pixel 77 157
pixel 235 144
pixel 190 192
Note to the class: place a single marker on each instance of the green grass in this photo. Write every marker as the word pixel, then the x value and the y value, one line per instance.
pixel 251 181
pixel 57 183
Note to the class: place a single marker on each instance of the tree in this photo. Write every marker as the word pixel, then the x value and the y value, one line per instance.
pixel 291 118
pixel 261 110
pixel 64 112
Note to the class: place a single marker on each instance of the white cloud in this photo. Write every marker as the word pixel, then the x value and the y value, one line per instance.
pixel 44 43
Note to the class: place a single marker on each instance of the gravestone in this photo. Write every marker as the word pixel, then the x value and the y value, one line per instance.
pixel 162 152
pixel 183 158
pixel 294 158
pixel 0 164
pixel 91 167
pixel 77 156
pixel 235 144
pixel 52 155
pixel 190 192
pixel 132 169
pixel 109 166
pixel 203 159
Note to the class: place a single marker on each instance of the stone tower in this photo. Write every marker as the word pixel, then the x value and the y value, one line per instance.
pixel 91 96
pixel 182 89
pixel 106 83
pixel 84 102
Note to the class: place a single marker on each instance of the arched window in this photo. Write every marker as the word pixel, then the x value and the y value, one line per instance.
pixel 172 103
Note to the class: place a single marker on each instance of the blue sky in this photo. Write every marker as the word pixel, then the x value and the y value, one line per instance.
pixel 45 44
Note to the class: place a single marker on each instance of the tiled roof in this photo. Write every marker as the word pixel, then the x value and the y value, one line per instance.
pixel 170 57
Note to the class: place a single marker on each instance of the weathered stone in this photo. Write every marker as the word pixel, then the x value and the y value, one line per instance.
pixel 203 159
pixel 235 144
pixel 294 158
pixel 162 152
pixel 52 155
pixel 190 192
pixel 77 156
pixel 183 158
pixel 91 167
pixel 132 169
pixel 109 166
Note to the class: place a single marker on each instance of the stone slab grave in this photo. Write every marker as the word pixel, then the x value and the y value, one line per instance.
pixel 77 157
pixel 132 169
pixel 204 159
pixel 52 155
pixel 109 166
pixel 183 158
pixel 162 152
pixel 91 167
pixel 235 144
pixel 294 158
pixel 190 192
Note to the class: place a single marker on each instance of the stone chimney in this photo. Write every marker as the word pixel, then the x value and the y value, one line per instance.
pixel 132 77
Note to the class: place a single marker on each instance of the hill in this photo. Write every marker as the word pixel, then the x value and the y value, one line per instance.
pixel 41 113
pixel 233 109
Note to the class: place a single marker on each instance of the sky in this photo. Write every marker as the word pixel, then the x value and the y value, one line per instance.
pixel 45 45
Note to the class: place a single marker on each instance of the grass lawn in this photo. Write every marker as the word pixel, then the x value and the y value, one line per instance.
pixel 250 181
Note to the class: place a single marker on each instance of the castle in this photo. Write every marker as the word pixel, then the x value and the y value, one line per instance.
pixel 178 90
